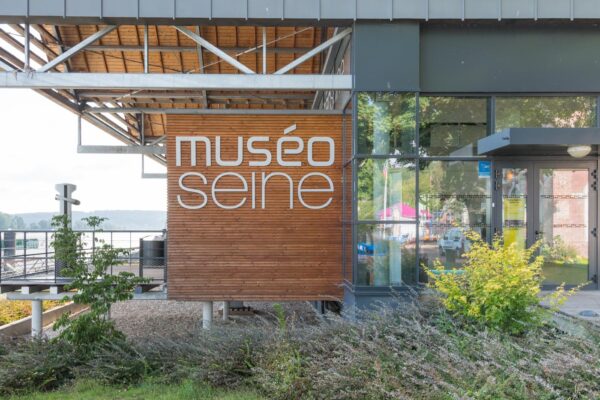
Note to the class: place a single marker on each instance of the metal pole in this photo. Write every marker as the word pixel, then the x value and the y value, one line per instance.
pixel 207 315
pixel 24 254
pixel 146 49
pixel 36 318
pixel 264 50
pixel 27 65
pixel 46 250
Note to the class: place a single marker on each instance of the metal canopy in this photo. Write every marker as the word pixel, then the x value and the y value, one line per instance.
pixel 515 141
pixel 288 11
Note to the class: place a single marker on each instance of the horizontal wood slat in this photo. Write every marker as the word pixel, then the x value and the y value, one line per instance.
pixel 275 253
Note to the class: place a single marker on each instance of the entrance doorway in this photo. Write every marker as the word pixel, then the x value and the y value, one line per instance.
pixel 553 202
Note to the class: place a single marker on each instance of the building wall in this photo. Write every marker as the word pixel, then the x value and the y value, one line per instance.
pixel 251 252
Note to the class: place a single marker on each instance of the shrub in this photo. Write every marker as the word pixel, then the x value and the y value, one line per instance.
pixel 95 286
pixel 499 286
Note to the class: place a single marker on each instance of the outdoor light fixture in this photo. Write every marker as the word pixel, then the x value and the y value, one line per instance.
pixel 579 151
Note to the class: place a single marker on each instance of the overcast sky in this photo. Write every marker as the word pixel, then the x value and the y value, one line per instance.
pixel 38 148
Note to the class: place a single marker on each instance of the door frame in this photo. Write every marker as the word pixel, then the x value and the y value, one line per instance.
pixel 533 167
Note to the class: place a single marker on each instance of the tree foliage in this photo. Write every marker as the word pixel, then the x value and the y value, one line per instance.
pixel 95 286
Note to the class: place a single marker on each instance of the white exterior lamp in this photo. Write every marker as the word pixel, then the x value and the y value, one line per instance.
pixel 579 151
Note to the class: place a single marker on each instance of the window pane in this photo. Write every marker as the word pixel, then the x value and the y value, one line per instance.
pixel 386 190
pixel 455 197
pixel 545 112
pixel 386 123
pixel 451 126
pixel 386 254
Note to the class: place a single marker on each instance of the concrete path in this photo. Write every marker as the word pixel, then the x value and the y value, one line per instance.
pixel 584 304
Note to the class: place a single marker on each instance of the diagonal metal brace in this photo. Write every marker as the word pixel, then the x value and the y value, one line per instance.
pixel 215 50
pixel 76 49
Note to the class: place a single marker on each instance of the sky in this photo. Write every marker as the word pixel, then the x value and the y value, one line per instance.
pixel 38 149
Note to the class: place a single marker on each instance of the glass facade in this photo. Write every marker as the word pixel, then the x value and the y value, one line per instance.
pixel 545 112
pixel 418 184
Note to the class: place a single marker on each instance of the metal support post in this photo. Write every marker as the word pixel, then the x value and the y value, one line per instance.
pixel 146 49
pixel 36 318
pixel 207 315
pixel 27 65
pixel 225 311
pixel 264 50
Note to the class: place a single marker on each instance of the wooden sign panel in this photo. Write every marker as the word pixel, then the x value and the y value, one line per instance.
pixel 254 207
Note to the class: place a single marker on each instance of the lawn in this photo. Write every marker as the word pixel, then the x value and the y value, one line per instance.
pixel 188 390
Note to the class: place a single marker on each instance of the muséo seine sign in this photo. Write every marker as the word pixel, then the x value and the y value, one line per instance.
pixel 252 152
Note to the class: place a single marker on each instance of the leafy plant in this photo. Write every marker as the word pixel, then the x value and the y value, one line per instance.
pixel 499 286
pixel 95 286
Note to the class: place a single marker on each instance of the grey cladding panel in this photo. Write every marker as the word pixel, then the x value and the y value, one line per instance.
pixel 386 56
pixel 193 8
pixel 442 9
pixel 517 9
pixel 47 7
pixel 374 9
pixel 484 9
pixel 84 8
pixel 115 8
pixel 230 8
pixel 302 9
pixel 265 9
pixel 12 7
pixel 553 8
pixel 532 59
pixel 586 9
pixel 409 9
pixel 157 9
pixel 336 9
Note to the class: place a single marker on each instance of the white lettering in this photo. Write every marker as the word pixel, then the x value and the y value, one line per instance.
pixel 193 140
pixel 216 190
pixel 253 150
pixel 190 190
pixel 240 153
pixel 281 151
pixel 331 159
pixel 265 179
pixel 328 190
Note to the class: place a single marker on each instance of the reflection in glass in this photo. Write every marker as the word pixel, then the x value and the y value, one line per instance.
pixel 454 198
pixel 386 190
pixel 514 206
pixel 545 112
pixel 451 126
pixel 386 254
pixel 386 123
pixel 563 213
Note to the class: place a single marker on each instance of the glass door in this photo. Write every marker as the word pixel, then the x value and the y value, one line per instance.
pixel 564 220
pixel 513 203
pixel 554 202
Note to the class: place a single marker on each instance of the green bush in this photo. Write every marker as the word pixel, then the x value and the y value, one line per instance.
pixel 498 286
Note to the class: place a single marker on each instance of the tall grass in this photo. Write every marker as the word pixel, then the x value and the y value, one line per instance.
pixel 407 352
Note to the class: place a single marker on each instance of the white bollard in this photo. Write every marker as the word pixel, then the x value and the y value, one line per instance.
pixel 36 318
pixel 207 314
pixel 225 310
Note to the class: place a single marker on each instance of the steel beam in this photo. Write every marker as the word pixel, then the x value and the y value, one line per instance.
pixel 190 49
pixel 212 111
pixel 191 95
pixel 323 46
pixel 215 50
pixel 120 81
pixel 133 149
pixel 76 49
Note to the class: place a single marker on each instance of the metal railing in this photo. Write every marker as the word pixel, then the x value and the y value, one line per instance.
pixel 28 255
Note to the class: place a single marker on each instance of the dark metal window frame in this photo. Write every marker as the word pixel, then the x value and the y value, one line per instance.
pixel 416 158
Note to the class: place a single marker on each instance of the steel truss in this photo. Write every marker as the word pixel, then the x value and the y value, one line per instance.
pixel 118 103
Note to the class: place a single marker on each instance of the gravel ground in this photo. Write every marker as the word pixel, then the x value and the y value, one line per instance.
pixel 165 318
